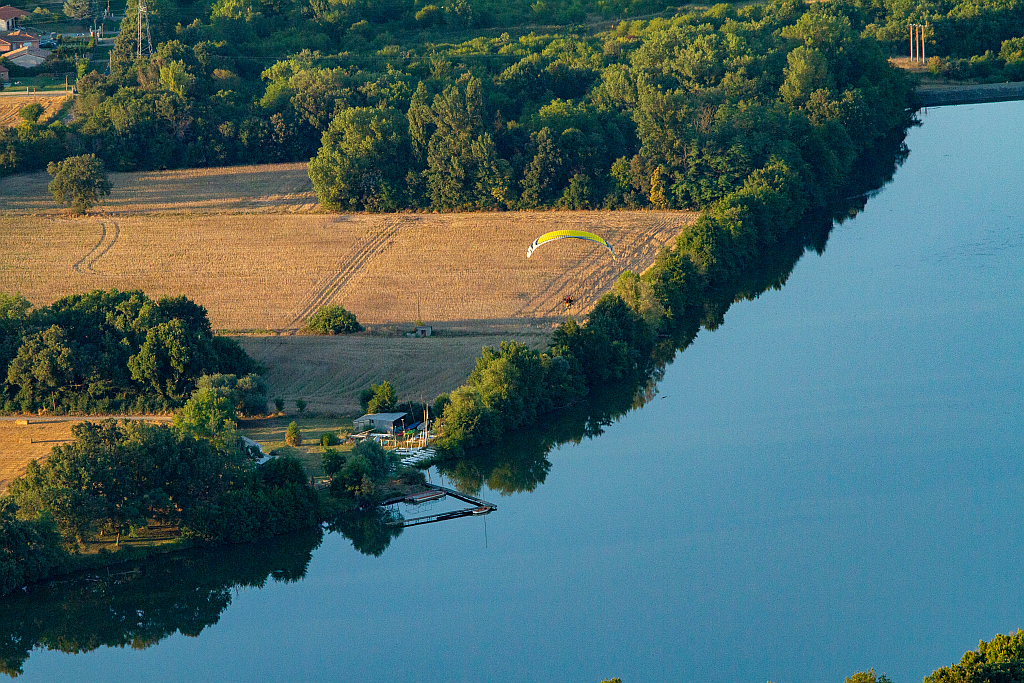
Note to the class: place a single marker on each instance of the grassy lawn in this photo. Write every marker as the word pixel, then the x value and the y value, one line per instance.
pixel 269 433
pixel 35 83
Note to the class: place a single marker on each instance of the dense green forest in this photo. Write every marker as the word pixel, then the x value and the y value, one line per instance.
pixel 111 351
pixel 401 112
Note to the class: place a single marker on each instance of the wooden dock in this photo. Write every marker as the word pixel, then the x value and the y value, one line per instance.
pixel 433 492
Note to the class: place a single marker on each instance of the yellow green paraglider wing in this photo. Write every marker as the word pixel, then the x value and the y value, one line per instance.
pixel 563 234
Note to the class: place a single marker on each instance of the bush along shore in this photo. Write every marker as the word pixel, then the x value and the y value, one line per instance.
pixel 193 481
pixel 158 487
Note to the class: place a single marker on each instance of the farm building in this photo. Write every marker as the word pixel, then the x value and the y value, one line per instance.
pixel 9 17
pixel 27 56
pixel 380 422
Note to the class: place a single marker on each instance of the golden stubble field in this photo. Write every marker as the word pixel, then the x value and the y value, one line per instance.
pixel 252 246
pixel 249 244
pixel 10 105
pixel 335 369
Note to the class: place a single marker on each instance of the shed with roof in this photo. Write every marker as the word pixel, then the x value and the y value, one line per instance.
pixel 381 422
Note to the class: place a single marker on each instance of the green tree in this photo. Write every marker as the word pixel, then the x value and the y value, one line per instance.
pixel 168 359
pixel 867 677
pixel 300 405
pixel 175 77
pixel 209 414
pixel 79 9
pixel 451 171
pixel 1000 660
pixel 362 161
pixel 43 369
pixel 80 181
pixel 292 436
pixel 383 398
pixel 333 320
pixel 31 112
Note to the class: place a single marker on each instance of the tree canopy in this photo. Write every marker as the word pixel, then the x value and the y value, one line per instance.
pixel 107 351
pixel 80 181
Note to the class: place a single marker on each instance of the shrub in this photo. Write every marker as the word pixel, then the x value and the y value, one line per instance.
pixel 300 405
pixel 329 439
pixel 31 112
pixel 293 437
pixel 279 404
pixel 333 320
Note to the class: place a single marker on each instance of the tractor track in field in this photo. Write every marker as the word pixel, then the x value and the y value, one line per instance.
pixel 85 264
pixel 374 244
pixel 586 282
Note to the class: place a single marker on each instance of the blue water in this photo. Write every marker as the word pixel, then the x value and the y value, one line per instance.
pixel 831 481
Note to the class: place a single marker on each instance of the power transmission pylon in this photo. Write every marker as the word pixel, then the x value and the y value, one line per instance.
pixel 145 49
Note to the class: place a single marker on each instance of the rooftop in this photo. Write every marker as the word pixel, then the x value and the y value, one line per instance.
pixel 381 416
pixel 8 12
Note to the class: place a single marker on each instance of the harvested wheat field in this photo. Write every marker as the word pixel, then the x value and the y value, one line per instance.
pixel 10 105
pixel 251 245
pixel 277 188
pixel 22 443
pixel 329 372
pixel 211 235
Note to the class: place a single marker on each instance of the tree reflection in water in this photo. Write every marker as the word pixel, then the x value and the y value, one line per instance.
pixel 138 605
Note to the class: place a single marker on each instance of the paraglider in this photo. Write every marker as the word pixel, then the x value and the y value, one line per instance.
pixel 563 234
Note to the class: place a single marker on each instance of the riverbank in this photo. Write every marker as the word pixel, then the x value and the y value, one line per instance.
pixel 943 94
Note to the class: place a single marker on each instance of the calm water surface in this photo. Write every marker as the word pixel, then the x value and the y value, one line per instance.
pixel 829 482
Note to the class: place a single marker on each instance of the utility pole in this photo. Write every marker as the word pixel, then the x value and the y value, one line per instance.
pixel 144 49
pixel 917 43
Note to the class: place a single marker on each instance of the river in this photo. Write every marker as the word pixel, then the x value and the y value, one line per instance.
pixel 830 481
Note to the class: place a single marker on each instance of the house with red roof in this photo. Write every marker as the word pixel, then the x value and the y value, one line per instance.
pixel 18 39
pixel 27 56
pixel 9 17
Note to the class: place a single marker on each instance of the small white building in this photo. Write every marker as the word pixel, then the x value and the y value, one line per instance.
pixel 381 422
